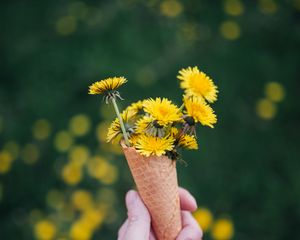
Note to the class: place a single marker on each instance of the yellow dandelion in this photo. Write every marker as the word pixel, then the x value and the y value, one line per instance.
pixel 197 83
pixel 135 107
pixel 133 139
pixel 204 218
pixel 142 125
pixel 45 230
pixel 162 110
pixel 107 87
pixel 115 127
pixel 173 132
pixel 199 111
pixel 149 145
pixel 188 141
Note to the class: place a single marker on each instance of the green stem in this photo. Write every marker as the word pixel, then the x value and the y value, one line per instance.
pixel 181 107
pixel 121 121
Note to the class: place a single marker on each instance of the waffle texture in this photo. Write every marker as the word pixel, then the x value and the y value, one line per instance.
pixel 156 180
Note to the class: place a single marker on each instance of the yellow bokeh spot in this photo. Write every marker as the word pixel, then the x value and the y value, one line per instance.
pixel 101 131
pixel 188 32
pixel 171 8
pixel 78 9
pixel 97 167
pixel 66 25
pixel 204 218
pixel 13 148
pixel 267 6
pixel 80 125
pixel 71 174
pixel 81 230
pixel 5 162
pixel 45 230
pixel 78 155
pixel 55 199
pixel 233 7
pixel 111 175
pixel 230 30
pixel 274 91
pixel 82 200
pixel 94 217
pixel 63 141
pixel 30 154
pixel 222 229
pixel 266 109
pixel 41 129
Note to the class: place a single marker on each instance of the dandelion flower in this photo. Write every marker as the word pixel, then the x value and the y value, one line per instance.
pixel 199 111
pixel 115 128
pixel 162 110
pixel 107 87
pixel 143 124
pixel 188 141
pixel 136 107
pixel 149 145
pixel 197 83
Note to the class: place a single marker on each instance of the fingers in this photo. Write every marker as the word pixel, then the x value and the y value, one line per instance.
pixel 138 226
pixel 191 229
pixel 187 201
pixel 122 230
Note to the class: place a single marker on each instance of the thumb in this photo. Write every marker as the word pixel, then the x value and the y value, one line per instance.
pixel 138 227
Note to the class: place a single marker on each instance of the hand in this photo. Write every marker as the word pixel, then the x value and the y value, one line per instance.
pixel 138 224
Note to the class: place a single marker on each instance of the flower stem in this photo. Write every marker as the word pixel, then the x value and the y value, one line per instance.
pixel 121 121
pixel 181 107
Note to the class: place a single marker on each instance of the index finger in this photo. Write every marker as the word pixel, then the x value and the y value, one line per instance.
pixel 187 201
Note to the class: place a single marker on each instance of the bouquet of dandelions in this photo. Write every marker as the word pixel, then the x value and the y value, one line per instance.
pixel 151 132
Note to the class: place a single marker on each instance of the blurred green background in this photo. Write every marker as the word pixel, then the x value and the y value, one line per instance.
pixel 58 177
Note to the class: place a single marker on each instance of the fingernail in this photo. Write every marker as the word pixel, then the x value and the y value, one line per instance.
pixel 131 197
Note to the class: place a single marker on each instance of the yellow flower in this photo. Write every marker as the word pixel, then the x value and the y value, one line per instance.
pixel 204 218
pixel 188 141
pixel 45 230
pixel 162 110
pixel 173 132
pixel 222 229
pixel 135 107
pixel 115 128
pixel 133 139
pixel 106 85
pixel 197 83
pixel 200 111
pixel 143 124
pixel 149 145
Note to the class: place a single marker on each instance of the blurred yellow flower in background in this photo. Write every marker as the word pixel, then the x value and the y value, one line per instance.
pixel 274 91
pixel 41 129
pixel 267 6
pixel 197 83
pixel 230 30
pixel 266 109
pixel 162 110
pixel 66 25
pixel 222 229
pixel 171 8
pixel 5 162
pixel 204 218
pixel 30 153
pixel 233 7
pixel 71 174
pixel 80 125
pixel 78 155
pixel 63 140
pixel 200 111
pixel 45 230
pixel 82 200
pixel 149 145
pixel 55 199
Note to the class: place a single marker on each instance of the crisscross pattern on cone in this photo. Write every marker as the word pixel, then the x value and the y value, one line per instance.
pixel 156 180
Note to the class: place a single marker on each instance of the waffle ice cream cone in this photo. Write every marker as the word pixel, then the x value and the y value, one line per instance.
pixel 156 180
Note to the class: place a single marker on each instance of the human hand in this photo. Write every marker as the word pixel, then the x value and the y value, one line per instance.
pixel 138 224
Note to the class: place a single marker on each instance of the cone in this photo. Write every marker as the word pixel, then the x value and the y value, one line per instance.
pixel 156 180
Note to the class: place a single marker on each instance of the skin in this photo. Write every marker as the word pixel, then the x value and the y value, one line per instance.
pixel 137 226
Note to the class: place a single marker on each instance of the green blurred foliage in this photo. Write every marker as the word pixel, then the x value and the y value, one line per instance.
pixel 247 168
